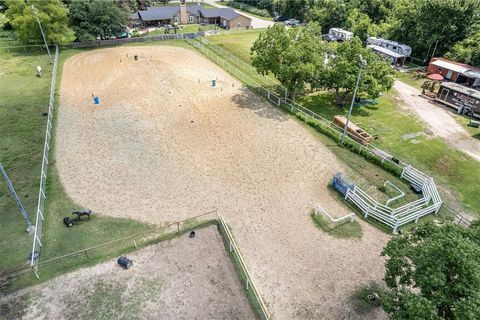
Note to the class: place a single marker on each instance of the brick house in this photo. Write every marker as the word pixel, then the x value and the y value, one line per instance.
pixel 189 14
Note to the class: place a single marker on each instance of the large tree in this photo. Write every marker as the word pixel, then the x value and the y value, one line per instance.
pixel 52 15
pixel 433 273
pixel 92 19
pixel 291 55
pixel 467 51
pixel 343 67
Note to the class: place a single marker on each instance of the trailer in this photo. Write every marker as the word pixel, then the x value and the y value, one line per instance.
pixel 338 34
pixel 463 99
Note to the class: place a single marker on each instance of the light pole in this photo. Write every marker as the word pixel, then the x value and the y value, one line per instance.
pixel 363 64
pixel 41 30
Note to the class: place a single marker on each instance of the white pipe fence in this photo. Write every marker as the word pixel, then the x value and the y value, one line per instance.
pixel 397 217
pixel 350 216
pixel 37 237
pixel 244 273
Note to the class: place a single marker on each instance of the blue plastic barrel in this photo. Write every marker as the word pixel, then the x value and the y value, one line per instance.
pixel 214 83
pixel 96 100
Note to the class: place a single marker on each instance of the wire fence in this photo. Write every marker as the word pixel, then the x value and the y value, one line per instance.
pixel 26 49
pixel 252 292
pixel 113 42
pixel 37 236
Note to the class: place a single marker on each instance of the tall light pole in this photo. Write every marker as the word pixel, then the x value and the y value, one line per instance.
pixel 363 64
pixel 41 30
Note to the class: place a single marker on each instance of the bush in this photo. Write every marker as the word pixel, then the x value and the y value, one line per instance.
pixel 249 8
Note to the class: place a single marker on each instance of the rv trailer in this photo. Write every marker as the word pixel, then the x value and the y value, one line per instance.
pixel 465 100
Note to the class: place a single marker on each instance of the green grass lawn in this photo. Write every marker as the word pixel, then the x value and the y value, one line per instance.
pixel 403 135
pixel 224 3
pixel 408 78
pixel 24 100
pixel 238 44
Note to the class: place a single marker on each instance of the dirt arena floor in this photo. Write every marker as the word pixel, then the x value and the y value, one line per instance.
pixel 164 145
pixel 179 279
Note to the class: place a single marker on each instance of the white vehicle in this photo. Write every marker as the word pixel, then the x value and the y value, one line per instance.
pixel 339 34
pixel 390 45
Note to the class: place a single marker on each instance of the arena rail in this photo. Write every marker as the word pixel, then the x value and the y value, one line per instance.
pixel 244 273
pixel 37 236
pixel 113 42
pixel 350 216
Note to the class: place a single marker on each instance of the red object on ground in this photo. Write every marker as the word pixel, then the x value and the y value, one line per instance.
pixel 436 77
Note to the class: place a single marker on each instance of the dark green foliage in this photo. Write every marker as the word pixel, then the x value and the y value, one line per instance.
pixel 432 273
pixel 467 51
pixel 92 19
pixel 52 15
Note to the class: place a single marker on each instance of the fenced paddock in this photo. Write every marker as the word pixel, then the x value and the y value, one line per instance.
pixel 430 203
pixel 181 278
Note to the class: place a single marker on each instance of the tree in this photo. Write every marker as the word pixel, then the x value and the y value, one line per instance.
pixel 329 14
pixel 432 273
pixel 467 51
pixel 343 68
pixel 52 15
pixel 291 55
pixel 422 23
pixel 360 24
pixel 92 19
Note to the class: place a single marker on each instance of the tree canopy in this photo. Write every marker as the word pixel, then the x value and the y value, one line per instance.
pixel 467 50
pixel 291 55
pixel 52 15
pixel 432 273
pixel 92 19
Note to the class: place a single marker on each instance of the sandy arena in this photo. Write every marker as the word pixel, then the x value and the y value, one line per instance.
pixel 179 279
pixel 164 145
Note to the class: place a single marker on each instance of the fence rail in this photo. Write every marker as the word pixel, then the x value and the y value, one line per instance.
pixel 112 42
pixel 259 304
pixel 37 236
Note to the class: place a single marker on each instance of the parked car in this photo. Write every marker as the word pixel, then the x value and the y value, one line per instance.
pixel 292 22
pixel 279 18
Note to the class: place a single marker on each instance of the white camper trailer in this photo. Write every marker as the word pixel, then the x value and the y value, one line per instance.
pixel 338 34
pixel 390 50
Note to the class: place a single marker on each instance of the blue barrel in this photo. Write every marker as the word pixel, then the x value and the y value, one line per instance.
pixel 96 100
pixel 214 83
pixel 125 262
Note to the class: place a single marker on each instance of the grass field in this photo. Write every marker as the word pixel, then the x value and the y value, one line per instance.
pixel 24 102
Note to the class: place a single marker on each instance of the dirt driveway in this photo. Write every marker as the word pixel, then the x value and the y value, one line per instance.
pixel 439 120
pixel 182 278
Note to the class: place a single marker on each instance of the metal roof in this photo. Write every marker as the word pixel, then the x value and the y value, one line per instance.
pixel 386 51
pixel 450 66
pixel 167 12
pixel 465 90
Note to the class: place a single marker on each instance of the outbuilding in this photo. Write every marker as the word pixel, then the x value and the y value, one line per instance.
pixel 465 100
pixel 460 73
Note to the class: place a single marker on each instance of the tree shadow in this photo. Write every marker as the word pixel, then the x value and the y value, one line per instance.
pixel 247 99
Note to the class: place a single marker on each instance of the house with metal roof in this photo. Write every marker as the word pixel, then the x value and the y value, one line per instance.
pixel 227 18
pixel 457 72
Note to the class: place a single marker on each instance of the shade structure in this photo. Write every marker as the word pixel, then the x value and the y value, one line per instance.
pixel 435 77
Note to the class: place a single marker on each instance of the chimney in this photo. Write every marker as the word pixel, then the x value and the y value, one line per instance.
pixel 183 13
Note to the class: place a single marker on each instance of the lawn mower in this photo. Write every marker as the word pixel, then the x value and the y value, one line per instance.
pixel 79 214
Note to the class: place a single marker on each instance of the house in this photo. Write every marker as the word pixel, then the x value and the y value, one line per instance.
pixel 338 34
pixel 460 73
pixel 189 14
pixel 390 50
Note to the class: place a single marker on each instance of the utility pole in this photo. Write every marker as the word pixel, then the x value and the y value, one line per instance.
pixel 17 200
pixel 434 49
pixel 363 64
pixel 41 30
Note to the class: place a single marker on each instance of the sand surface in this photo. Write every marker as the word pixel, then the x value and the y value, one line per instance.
pixel 164 145
pixel 179 279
